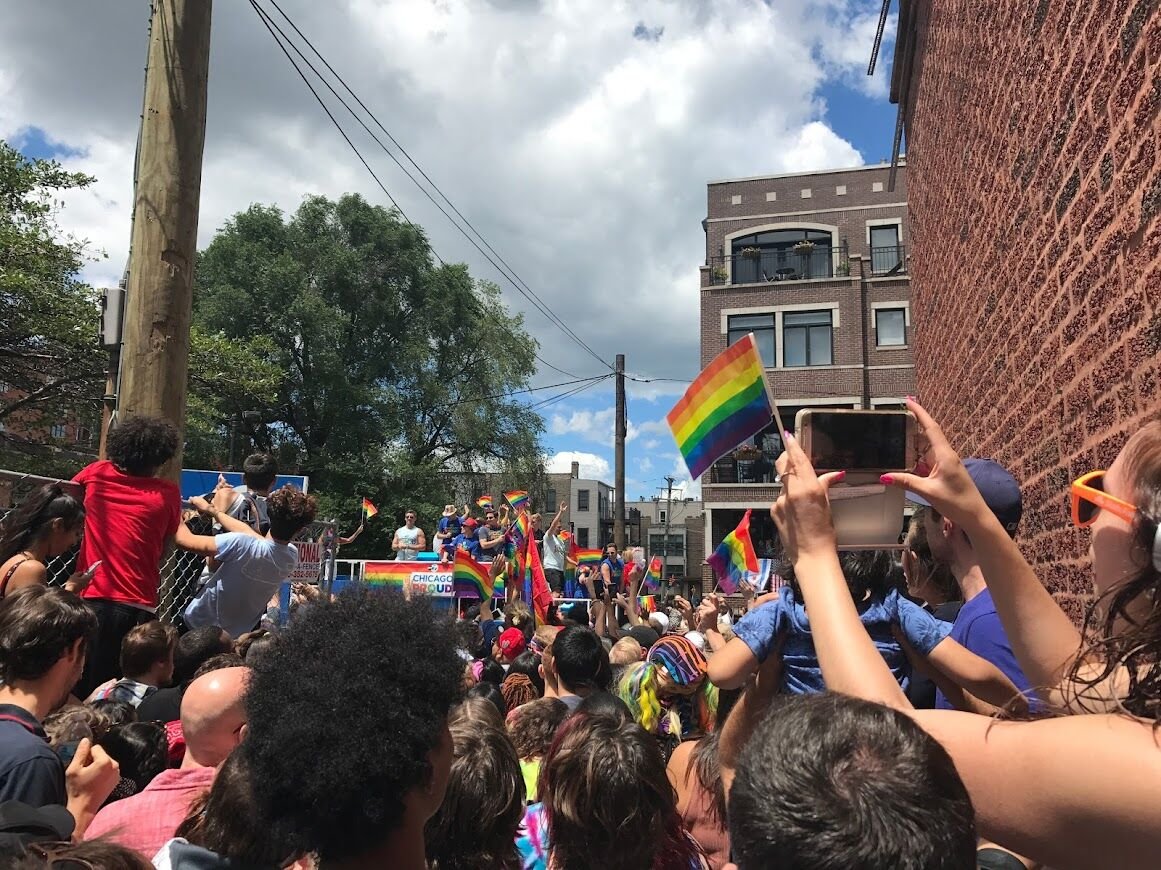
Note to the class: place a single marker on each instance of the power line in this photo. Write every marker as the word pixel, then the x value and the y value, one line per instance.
pixel 265 20
pixel 552 400
pixel 586 381
pixel 507 271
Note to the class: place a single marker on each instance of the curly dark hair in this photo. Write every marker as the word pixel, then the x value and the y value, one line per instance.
pixel 389 668
pixel 38 625
pixel 866 571
pixel 141 445
pixel 475 827
pixel 33 520
pixel 534 727
pixel 195 647
pixel 1122 628
pixel 140 748
pixel 290 510
pixel 259 471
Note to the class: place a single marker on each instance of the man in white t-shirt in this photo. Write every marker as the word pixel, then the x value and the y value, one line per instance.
pixel 247 567
pixel 555 551
pixel 409 540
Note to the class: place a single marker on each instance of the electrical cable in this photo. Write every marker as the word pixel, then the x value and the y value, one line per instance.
pixel 586 381
pixel 507 271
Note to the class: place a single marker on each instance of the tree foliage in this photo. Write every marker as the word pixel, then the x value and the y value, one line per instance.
pixel 49 358
pixel 392 368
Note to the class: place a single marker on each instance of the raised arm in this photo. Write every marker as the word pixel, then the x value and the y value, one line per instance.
pixel 1043 638
pixel 554 526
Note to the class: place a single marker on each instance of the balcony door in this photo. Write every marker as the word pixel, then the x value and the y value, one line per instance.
pixel 781 255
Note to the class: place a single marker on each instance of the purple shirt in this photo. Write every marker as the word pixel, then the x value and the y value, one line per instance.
pixel 978 628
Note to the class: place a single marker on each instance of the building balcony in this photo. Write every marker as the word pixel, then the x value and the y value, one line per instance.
pixel 755 467
pixel 761 265
pixel 888 261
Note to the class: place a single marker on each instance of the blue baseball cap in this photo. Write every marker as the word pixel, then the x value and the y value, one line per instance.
pixel 1000 490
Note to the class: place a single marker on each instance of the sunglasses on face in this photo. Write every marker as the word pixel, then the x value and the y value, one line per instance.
pixel 1089 498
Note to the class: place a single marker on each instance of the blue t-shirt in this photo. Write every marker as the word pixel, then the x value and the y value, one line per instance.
pixel 250 570
pixel 449 526
pixel 978 628
pixel 616 572
pixel 801 675
pixel 472 545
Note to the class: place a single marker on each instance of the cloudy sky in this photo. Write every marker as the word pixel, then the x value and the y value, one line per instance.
pixel 576 135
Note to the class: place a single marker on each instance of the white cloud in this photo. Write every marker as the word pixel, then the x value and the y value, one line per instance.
pixel 579 151
pixel 651 444
pixel 591 465
pixel 645 464
pixel 591 425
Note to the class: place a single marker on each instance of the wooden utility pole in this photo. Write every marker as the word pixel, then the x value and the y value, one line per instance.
pixel 155 354
pixel 619 458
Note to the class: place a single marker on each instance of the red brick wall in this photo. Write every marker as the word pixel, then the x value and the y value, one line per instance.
pixel 1035 198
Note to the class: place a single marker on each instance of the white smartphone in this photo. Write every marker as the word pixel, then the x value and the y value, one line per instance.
pixel 865 444
pixel 92 570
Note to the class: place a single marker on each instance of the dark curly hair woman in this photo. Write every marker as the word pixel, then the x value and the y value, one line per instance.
pixel 348 738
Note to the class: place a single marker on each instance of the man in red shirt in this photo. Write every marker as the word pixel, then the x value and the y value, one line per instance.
pixel 131 516
pixel 213 721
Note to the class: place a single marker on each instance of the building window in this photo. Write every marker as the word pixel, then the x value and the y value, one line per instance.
pixel 84 436
pixel 582 500
pixel 661 515
pixel 762 325
pixel 886 253
pixel 890 327
pixel 57 431
pixel 807 339
pixel 675 547
pixel 781 255
pixel 582 538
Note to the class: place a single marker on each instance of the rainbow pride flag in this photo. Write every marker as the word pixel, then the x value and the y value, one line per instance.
pixel 734 556
pixel 369 510
pixel 652 581
pixel 589 557
pixel 518 531
pixel 518 498
pixel 470 579
pixel 724 406
pixel 387 575
pixel 485 502
pixel 646 604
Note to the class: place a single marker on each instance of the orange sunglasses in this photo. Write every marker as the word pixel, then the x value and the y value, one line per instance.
pixel 1089 497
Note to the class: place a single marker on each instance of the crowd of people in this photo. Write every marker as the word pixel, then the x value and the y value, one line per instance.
pixel 930 707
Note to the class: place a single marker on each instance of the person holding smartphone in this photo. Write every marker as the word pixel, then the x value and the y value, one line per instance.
pixel 47 525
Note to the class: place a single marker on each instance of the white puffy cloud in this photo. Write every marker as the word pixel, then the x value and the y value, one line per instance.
pixel 591 465
pixel 579 149
pixel 591 425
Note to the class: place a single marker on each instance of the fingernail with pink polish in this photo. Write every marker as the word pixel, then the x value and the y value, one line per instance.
pixel 842 475
pixel 887 479
pixel 787 435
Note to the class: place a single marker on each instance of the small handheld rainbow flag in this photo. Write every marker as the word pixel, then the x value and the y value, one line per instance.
pixel 518 498
pixel 734 556
pixel 470 579
pixel 387 575
pixel 652 580
pixel 484 502
pixel 726 404
pixel 518 531
pixel 589 557
pixel 369 510
pixel 646 604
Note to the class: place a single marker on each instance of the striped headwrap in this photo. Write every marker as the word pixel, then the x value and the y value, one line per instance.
pixel 684 662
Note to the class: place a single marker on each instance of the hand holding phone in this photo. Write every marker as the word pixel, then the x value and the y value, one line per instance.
pixel 80 581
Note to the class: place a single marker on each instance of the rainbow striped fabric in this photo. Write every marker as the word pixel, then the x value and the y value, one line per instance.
pixel 734 556
pixel 369 510
pixel 725 405
pixel 589 557
pixel 646 604
pixel 387 575
pixel 518 531
pixel 470 579
pixel 518 498
pixel 652 581
pixel 485 502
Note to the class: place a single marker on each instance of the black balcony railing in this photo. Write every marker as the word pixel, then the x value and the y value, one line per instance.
pixel 891 260
pixel 759 266
pixel 744 468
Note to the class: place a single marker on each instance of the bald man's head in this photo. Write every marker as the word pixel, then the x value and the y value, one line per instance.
pixel 213 716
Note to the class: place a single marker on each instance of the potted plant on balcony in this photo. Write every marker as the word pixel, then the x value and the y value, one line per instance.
pixel 747 451
pixel 751 253
pixel 804 247
pixel 719 274
pixel 843 269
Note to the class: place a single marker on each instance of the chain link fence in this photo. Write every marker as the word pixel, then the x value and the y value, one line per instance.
pixel 180 570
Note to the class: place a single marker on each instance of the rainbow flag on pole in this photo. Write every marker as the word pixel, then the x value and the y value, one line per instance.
pixel 734 556
pixel 589 557
pixel 519 529
pixel 470 579
pixel 369 510
pixel 518 498
pixel 725 405
pixel 646 604
pixel 387 575
pixel 485 502
pixel 652 581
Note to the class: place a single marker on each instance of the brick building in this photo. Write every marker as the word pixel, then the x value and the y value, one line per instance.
pixel 590 506
pixel 1035 199
pixel 816 265
pixel 684 549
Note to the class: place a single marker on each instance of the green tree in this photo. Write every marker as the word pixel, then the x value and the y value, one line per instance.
pixel 51 364
pixel 393 368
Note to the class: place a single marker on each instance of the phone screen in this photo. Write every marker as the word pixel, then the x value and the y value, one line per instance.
pixel 858 442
